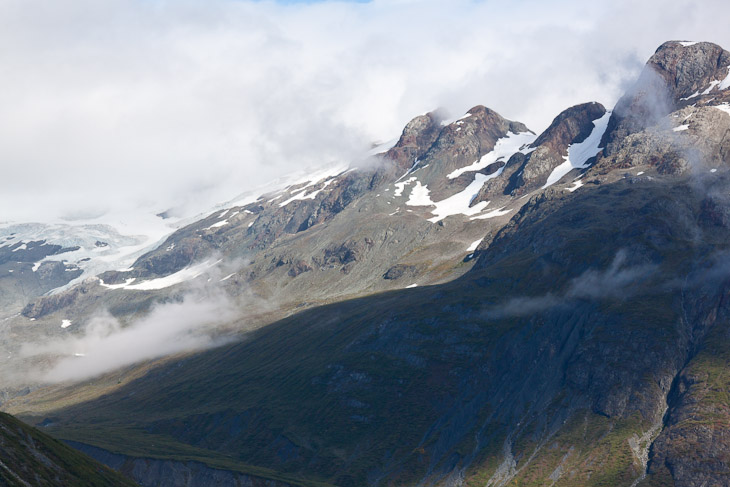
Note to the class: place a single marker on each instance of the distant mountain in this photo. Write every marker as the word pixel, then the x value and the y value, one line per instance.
pixel 477 305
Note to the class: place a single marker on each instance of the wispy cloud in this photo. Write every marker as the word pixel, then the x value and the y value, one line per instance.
pixel 156 103
pixel 106 345
pixel 619 281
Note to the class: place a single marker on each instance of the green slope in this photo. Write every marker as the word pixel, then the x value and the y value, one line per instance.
pixel 29 457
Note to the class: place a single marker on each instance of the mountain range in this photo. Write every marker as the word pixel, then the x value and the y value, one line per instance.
pixel 477 304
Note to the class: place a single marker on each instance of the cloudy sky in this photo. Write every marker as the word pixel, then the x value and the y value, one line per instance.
pixel 153 104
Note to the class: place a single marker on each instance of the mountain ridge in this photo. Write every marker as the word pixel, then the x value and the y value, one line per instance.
pixel 569 324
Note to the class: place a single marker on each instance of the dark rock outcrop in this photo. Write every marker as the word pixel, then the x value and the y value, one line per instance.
pixel 31 251
pixel 50 304
pixel 400 270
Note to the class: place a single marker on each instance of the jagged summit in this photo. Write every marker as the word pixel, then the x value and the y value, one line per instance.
pixel 678 74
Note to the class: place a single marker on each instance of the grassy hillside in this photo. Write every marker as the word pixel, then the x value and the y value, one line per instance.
pixel 29 457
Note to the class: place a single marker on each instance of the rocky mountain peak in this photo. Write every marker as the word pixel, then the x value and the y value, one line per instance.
pixel 688 67
pixel 462 143
pixel 674 76
pixel 418 135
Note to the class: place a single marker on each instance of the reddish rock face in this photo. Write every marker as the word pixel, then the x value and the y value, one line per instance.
pixel 417 137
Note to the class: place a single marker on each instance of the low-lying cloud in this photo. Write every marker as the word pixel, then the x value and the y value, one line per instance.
pixel 106 345
pixel 619 281
pixel 130 103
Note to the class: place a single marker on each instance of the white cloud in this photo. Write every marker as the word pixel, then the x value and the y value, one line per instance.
pixel 105 345
pixel 157 103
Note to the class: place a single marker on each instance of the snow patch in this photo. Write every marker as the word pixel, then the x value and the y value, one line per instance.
pixel 580 153
pixel 459 203
pixel 399 187
pixel 640 173
pixel 713 84
pixel 688 43
pixel 36 266
pixel 419 196
pixel 181 276
pixel 724 107
pixel 576 184
pixel 696 93
pixel 117 286
pixel 503 149
pixel 725 84
pixel 492 214
pixel 474 245
pixel 411 286
pixel 681 128
pixel 218 225
pixel 713 170
pixel 66 323
pixel 301 194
